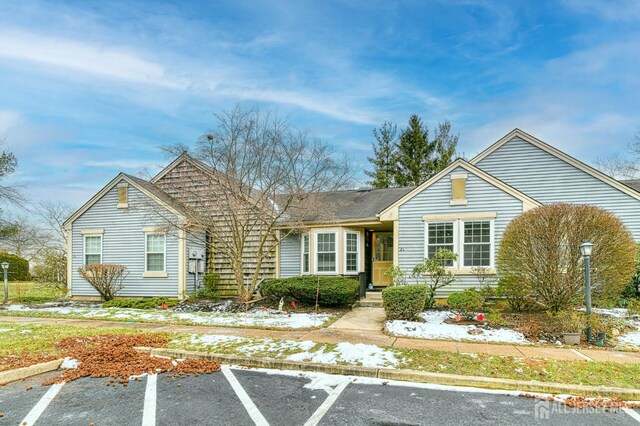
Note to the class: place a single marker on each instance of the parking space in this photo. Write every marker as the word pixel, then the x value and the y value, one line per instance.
pixel 246 397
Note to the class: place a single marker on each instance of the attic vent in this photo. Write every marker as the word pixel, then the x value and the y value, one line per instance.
pixel 458 189
pixel 123 195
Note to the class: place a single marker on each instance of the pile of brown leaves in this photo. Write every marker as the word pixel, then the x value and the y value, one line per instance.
pixel 113 356
pixel 581 402
pixel 10 362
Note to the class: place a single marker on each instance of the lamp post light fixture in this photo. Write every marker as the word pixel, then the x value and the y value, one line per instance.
pixel 5 267
pixel 586 248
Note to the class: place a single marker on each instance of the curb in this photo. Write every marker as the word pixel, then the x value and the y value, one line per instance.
pixel 26 372
pixel 404 375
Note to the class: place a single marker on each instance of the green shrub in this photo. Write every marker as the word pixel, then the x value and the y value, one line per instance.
pixel 633 307
pixel 210 281
pixel 334 291
pixel 404 302
pixel 496 320
pixel 140 303
pixel 207 293
pixel 466 303
pixel 18 267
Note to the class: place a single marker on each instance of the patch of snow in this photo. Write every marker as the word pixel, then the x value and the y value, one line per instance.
pixel 308 351
pixel 17 308
pixel 251 319
pixel 4 330
pixel 69 364
pixel 613 312
pixel 631 338
pixel 26 332
pixel 435 327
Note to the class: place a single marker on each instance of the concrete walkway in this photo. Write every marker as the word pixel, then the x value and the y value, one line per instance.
pixel 361 325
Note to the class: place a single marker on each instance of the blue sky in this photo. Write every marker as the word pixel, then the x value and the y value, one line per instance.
pixel 91 88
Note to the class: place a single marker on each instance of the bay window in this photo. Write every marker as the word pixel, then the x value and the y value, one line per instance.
pixel 351 252
pixel 326 259
pixel 305 254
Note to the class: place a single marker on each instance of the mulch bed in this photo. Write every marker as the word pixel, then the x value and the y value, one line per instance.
pixel 113 356
pixel 11 362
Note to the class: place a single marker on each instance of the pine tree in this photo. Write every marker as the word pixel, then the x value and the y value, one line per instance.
pixel 414 154
pixel 419 158
pixel 384 160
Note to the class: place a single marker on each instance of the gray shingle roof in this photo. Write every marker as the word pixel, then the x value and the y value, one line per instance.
pixel 159 193
pixel 360 203
pixel 632 183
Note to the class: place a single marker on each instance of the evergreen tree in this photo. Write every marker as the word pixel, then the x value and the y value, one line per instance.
pixel 445 146
pixel 384 160
pixel 415 153
pixel 419 158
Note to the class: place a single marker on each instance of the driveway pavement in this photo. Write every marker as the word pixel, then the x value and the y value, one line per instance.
pixel 246 397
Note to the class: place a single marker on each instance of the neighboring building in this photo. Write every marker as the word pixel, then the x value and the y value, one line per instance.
pixel 466 208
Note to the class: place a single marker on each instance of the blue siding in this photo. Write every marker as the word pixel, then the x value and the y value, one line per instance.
pixel 123 243
pixel 290 256
pixel 482 197
pixel 549 179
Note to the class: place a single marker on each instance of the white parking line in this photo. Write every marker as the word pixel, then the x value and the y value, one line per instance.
pixel 635 416
pixel 149 413
pixel 251 408
pixel 322 410
pixel 44 402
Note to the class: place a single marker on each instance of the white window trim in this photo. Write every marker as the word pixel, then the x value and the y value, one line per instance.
pixel 458 241
pixel 84 246
pixel 491 240
pixel 302 271
pixel 455 239
pixel 344 252
pixel 155 274
pixel 316 252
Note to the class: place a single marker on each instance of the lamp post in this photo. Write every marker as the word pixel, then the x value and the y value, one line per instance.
pixel 5 267
pixel 586 248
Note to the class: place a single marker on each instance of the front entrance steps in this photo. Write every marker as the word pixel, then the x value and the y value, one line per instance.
pixel 373 299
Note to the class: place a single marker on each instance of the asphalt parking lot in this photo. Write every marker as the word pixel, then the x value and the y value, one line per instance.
pixel 246 397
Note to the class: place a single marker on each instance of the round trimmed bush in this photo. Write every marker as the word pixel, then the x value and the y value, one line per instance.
pixel 404 302
pixel 466 303
pixel 18 267
pixel 334 291
pixel 540 264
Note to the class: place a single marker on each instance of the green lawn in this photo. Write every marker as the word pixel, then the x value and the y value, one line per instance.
pixel 32 292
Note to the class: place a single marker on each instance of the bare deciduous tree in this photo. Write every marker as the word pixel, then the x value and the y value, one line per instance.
pixel 26 239
pixel 623 166
pixel 260 173
pixel 105 278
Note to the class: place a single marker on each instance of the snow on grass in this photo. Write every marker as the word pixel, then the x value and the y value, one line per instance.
pixel 435 327
pixel 252 319
pixel 308 351
pixel 69 363
pixel 630 339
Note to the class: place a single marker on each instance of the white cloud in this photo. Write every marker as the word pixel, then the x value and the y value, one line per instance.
pixel 105 61
pixel 8 120
pixel 616 10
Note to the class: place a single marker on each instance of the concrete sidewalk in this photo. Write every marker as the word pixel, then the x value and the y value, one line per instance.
pixel 362 325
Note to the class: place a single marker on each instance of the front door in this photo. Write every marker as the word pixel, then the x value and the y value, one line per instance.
pixel 382 257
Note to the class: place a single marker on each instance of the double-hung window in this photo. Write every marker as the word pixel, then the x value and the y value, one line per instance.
pixel 92 249
pixel 351 252
pixel 155 252
pixel 477 244
pixel 326 259
pixel 305 254
pixel 440 236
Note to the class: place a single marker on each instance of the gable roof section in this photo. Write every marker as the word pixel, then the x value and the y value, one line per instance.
pixel 558 154
pixel 143 186
pixel 182 157
pixel 632 183
pixel 390 212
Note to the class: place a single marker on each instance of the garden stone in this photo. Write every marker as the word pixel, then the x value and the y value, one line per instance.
pixel 475 331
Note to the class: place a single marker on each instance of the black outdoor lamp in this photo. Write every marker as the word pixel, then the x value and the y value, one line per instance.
pixel 586 248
